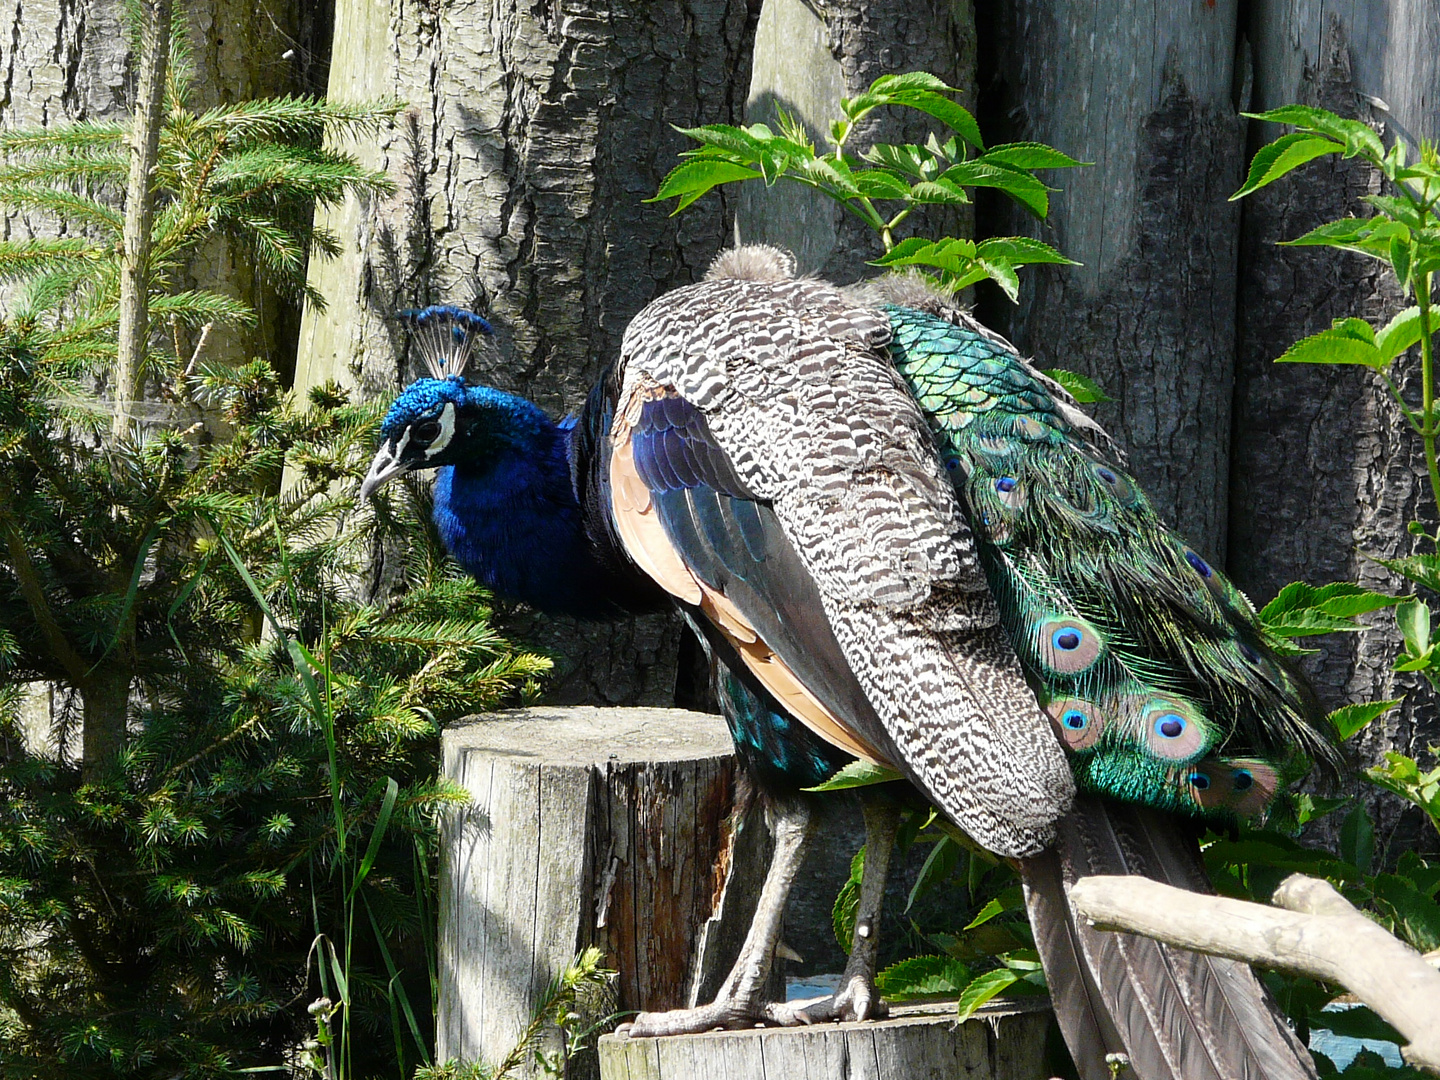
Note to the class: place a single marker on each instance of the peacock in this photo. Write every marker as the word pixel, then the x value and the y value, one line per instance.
pixel 899 542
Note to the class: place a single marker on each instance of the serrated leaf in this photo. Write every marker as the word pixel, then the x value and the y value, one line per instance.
pixel 1355 135
pixel 1019 185
pixel 1349 720
pixel 1011 899
pixel 1334 347
pixel 1081 387
pixel 1421 569
pixel 692 179
pixel 1399 334
pixel 922 976
pixel 1021 251
pixel 1413 619
pixel 1028 155
pixel 1286 153
pixel 950 113
pixel 743 143
pixel 880 183
pixel 1400 261
pixel 911 80
pixel 1003 274
pixel 1417 916
pixel 847 902
pixel 1341 233
pixel 936 868
pixel 858 774
pixel 938 192
pixel 1301 610
pixel 982 988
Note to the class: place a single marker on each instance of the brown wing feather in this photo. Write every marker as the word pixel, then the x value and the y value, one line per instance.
pixel 646 541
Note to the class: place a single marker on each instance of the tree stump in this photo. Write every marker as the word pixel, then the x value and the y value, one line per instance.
pixel 587 826
pixel 918 1042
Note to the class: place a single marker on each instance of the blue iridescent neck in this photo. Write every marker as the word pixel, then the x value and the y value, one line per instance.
pixel 507 509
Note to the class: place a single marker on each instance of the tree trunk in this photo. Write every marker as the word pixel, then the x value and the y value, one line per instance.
pixel 1145 92
pixel 1324 468
pixel 133 337
pixel 532 138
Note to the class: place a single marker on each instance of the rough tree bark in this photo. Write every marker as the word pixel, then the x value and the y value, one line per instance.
pixel 532 136
pixel 1323 467
pixel 1145 91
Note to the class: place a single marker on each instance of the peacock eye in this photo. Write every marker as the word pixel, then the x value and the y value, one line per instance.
pixel 426 430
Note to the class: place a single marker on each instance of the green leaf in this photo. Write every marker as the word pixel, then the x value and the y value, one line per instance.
pixel 382 822
pixel 952 115
pixel 881 183
pixel 1357 1022
pixel 1413 619
pixel 922 976
pixel 1402 776
pixel 1342 233
pixel 1421 569
pixel 1334 346
pixel 936 868
pixel 692 179
pixel 1081 387
pixel 1019 185
pixel 847 902
pixel 1357 839
pixel 1301 610
pixel 1400 260
pixel 1003 274
pixel 982 988
pixel 1358 137
pixel 1288 152
pixel 1349 720
pixel 1021 251
pixel 858 774
pixel 1011 899
pixel 1418 916
pixel 1400 333
pixel 938 192
pixel 1028 155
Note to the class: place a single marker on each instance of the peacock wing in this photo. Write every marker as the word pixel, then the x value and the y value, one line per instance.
pixel 769 467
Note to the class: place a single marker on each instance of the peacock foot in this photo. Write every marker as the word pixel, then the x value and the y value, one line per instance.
pixel 723 1013
pixel 856 1000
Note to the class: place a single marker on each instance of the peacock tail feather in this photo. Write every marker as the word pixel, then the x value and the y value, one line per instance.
pixel 1155 672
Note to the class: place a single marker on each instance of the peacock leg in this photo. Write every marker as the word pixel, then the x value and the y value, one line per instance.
pixel 739 1002
pixel 856 998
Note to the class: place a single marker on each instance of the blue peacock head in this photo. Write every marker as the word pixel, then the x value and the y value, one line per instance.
pixel 444 420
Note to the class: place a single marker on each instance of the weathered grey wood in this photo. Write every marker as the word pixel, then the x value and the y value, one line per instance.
pixel 1323 468
pixel 810 55
pixel 1145 92
pixel 918 1042
pixel 586 827
pixel 1319 934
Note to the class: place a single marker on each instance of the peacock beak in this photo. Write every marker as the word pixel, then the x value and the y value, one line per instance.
pixel 387 463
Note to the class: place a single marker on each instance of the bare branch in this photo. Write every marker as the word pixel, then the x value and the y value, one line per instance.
pixel 1320 934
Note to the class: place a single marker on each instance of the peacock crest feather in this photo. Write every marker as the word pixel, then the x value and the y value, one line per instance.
pixel 446 336
pixel 1155 672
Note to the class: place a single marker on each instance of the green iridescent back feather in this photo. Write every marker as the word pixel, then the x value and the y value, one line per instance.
pixel 1153 668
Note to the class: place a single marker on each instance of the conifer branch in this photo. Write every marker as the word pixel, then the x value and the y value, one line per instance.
pixel 29 581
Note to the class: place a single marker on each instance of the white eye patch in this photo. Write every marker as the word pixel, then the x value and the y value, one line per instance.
pixel 447 430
